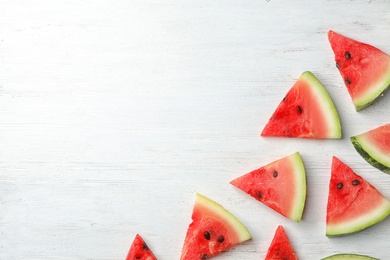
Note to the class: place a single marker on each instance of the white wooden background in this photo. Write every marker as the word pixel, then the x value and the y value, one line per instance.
pixel 114 114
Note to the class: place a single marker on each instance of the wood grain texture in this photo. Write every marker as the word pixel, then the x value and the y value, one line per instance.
pixel 113 114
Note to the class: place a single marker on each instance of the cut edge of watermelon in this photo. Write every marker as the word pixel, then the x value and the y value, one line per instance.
pixel 300 200
pixel 241 231
pixel 370 153
pixel 361 222
pixel 327 105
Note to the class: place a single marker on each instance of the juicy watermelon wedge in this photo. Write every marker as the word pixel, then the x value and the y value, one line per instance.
pixel 374 147
pixel 213 230
pixel 349 257
pixel 364 69
pixel 281 185
pixel 280 248
pixel 307 111
pixel 353 203
pixel 140 250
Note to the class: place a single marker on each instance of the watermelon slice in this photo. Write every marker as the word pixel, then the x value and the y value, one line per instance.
pixel 213 230
pixel 349 257
pixel 374 147
pixel 140 250
pixel 307 111
pixel 280 248
pixel 281 185
pixel 353 203
pixel 364 69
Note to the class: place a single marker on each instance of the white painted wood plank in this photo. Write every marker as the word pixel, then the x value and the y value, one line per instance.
pixel 113 114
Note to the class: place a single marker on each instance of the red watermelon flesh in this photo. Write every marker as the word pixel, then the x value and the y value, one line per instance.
pixel 212 231
pixel 306 111
pixel 280 248
pixel 364 68
pixel 140 250
pixel 281 185
pixel 353 203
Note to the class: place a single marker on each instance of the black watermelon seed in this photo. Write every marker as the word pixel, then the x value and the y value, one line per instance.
pixel 337 65
pixel 145 246
pixel 347 55
pixel 299 110
pixel 259 195
pixel 348 81
pixel 355 182
pixel 339 185
pixel 220 239
pixel 204 256
pixel 207 235
pixel 275 174
pixel 284 99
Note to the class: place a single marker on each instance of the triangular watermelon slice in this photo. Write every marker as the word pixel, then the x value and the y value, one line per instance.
pixel 213 230
pixel 280 248
pixel 353 203
pixel 307 111
pixel 140 250
pixel 281 185
pixel 364 69
pixel 374 147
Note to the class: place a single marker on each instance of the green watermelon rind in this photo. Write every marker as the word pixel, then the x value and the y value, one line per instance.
pixel 369 154
pixel 300 173
pixel 241 231
pixel 349 257
pixel 359 222
pixel 322 95
pixel 373 94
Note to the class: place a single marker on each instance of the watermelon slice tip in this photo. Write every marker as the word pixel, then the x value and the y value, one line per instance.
pixel 139 250
pixel 280 247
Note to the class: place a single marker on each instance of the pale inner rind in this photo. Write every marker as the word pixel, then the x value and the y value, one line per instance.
pixel 326 103
pixel 360 222
pixel 372 93
pixel 300 198
pixel 373 151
